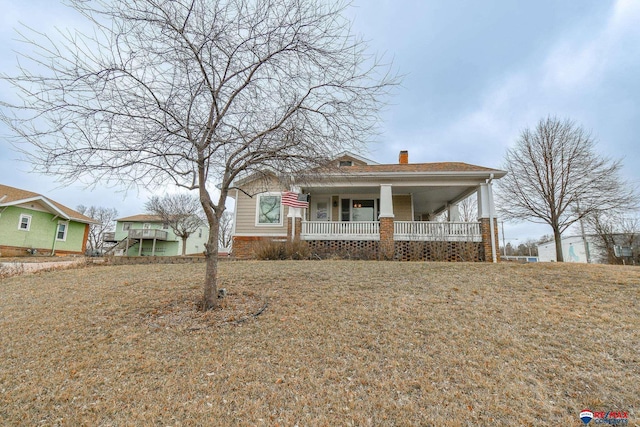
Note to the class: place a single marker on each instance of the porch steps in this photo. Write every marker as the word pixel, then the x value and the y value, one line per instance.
pixel 122 244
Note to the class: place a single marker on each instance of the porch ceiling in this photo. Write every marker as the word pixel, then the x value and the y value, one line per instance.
pixel 426 199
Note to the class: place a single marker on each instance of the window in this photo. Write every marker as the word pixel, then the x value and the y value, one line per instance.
pixel 62 231
pixel 165 225
pixel 126 226
pixel 363 210
pixel 358 210
pixel 346 163
pixel 25 222
pixel 269 209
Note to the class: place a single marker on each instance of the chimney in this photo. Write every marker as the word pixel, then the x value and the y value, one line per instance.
pixel 404 157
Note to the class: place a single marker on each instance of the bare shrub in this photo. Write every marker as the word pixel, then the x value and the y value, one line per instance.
pixel 274 250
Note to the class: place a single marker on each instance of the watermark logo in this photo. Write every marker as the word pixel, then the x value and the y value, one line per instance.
pixel 602 417
pixel 586 416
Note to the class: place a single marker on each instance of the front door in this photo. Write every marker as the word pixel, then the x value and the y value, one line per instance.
pixel 320 209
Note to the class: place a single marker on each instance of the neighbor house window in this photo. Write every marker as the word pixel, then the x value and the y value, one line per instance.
pixel 61 234
pixel 126 226
pixel 269 209
pixel 346 163
pixel 165 225
pixel 25 222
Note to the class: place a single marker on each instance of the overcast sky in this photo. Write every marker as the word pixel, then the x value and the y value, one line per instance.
pixel 476 75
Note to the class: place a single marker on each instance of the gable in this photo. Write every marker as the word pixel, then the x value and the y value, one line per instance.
pixel 347 160
pixel 11 196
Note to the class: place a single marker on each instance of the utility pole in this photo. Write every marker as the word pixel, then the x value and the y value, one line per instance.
pixel 504 245
pixel 584 236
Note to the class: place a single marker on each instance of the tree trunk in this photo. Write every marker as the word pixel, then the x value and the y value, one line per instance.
pixel 184 245
pixel 558 239
pixel 210 300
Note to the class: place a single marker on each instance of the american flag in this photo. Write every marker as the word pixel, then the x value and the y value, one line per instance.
pixel 294 200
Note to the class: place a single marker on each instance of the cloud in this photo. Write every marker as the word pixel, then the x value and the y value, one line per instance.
pixel 561 84
pixel 578 62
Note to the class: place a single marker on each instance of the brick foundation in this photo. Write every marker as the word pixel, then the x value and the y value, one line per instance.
pixel 438 251
pixel 17 251
pixel 243 246
pixel 131 260
pixel 344 249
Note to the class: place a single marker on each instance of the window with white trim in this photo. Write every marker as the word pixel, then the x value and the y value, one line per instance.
pixel 25 222
pixel 126 226
pixel 61 234
pixel 269 209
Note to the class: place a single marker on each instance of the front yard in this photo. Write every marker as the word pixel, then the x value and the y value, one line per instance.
pixel 336 343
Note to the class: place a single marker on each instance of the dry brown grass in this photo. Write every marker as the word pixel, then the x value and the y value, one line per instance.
pixel 340 343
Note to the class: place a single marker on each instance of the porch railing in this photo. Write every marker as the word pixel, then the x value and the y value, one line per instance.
pixel 402 230
pixel 331 230
pixel 438 231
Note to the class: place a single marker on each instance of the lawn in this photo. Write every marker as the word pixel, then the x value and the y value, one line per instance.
pixel 335 344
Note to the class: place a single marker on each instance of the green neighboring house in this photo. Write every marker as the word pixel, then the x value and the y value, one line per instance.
pixel 148 235
pixel 31 223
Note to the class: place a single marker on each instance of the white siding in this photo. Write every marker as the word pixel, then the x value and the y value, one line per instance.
pixel 246 212
pixel 573 250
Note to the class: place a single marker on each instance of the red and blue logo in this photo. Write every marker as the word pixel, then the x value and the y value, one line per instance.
pixel 586 416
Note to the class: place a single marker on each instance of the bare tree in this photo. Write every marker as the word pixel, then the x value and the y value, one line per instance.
pixel 555 177
pixel 612 229
pixel 226 228
pixel 182 212
pixel 197 93
pixel 106 218
pixel 468 209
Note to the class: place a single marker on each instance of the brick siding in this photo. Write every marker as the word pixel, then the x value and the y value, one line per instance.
pixel 485 229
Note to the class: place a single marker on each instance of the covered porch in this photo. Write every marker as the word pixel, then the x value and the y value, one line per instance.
pixel 392 213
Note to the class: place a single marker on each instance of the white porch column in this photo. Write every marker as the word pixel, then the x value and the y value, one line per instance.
pixel 294 214
pixel 386 201
pixel 485 208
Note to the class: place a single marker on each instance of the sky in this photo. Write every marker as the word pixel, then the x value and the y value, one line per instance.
pixel 475 75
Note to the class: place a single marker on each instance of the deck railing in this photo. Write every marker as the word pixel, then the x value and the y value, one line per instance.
pixel 333 230
pixel 438 231
pixel 148 234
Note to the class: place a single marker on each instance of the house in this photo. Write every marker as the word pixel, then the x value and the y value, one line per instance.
pixel 148 235
pixel 574 249
pixel 31 223
pixel 382 211
pixel 590 249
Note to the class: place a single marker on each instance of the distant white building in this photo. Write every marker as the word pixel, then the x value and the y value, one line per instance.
pixel 573 250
